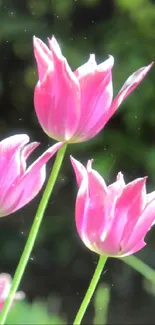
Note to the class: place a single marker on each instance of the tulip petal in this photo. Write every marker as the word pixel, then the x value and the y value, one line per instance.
pixel 127 210
pixel 62 104
pixel 26 151
pixel 135 198
pixel 96 96
pixel 117 187
pixel 79 169
pixel 131 83
pixel 82 203
pixel 111 242
pixel 150 197
pixel 141 228
pixel 28 186
pixel 43 57
pixel 29 148
pixel 97 212
pixel 10 159
pixel 141 244
pixel 57 102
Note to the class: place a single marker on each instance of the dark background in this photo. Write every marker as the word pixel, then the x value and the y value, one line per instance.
pixel 61 267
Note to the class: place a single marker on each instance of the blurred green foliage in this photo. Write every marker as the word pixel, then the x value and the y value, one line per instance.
pixel 101 304
pixel 60 263
pixel 36 313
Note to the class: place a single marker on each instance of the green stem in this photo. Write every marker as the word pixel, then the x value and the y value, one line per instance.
pixel 33 233
pixel 90 290
pixel 140 267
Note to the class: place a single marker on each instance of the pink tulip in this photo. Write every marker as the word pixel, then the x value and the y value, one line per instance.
pixel 5 286
pixel 75 106
pixel 112 220
pixel 18 185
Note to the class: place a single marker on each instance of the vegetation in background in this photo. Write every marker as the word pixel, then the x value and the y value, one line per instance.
pixel 60 265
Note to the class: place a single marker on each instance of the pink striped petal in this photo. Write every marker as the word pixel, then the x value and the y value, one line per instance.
pixel 131 83
pixel 116 188
pixel 25 153
pixel 29 185
pixel 57 98
pixel 96 96
pixel 82 204
pixel 79 169
pixel 141 244
pixel 128 207
pixel 97 212
pixel 111 243
pixel 135 198
pixel 43 57
pixel 143 225
pixel 11 165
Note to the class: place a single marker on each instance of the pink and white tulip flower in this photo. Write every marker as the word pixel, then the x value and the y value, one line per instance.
pixel 75 106
pixel 112 220
pixel 18 184
pixel 5 286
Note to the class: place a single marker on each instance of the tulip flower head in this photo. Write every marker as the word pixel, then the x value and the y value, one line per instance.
pixel 75 106
pixel 18 184
pixel 5 286
pixel 112 220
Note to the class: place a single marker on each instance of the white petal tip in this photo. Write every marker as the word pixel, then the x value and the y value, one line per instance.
pixel 89 165
pixel 120 176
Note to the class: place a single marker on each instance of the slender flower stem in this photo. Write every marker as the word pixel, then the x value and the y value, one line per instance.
pixel 140 267
pixel 33 233
pixel 90 290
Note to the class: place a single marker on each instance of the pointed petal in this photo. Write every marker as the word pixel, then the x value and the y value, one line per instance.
pixel 128 206
pixel 54 47
pixel 115 225
pixel 142 226
pixel 10 160
pixel 97 211
pixel 25 153
pixel 96 97
pixel 43 57
pixel 90 203
pixel 131 83
pixel 57 98
pixel 29 148
pixel 79 169
pixel 131 204
pixel 86 69
pixel 120 178
pixel 82 203
pixel 117 187
pixel 141 244
pixel 82 200
pixel 30 184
